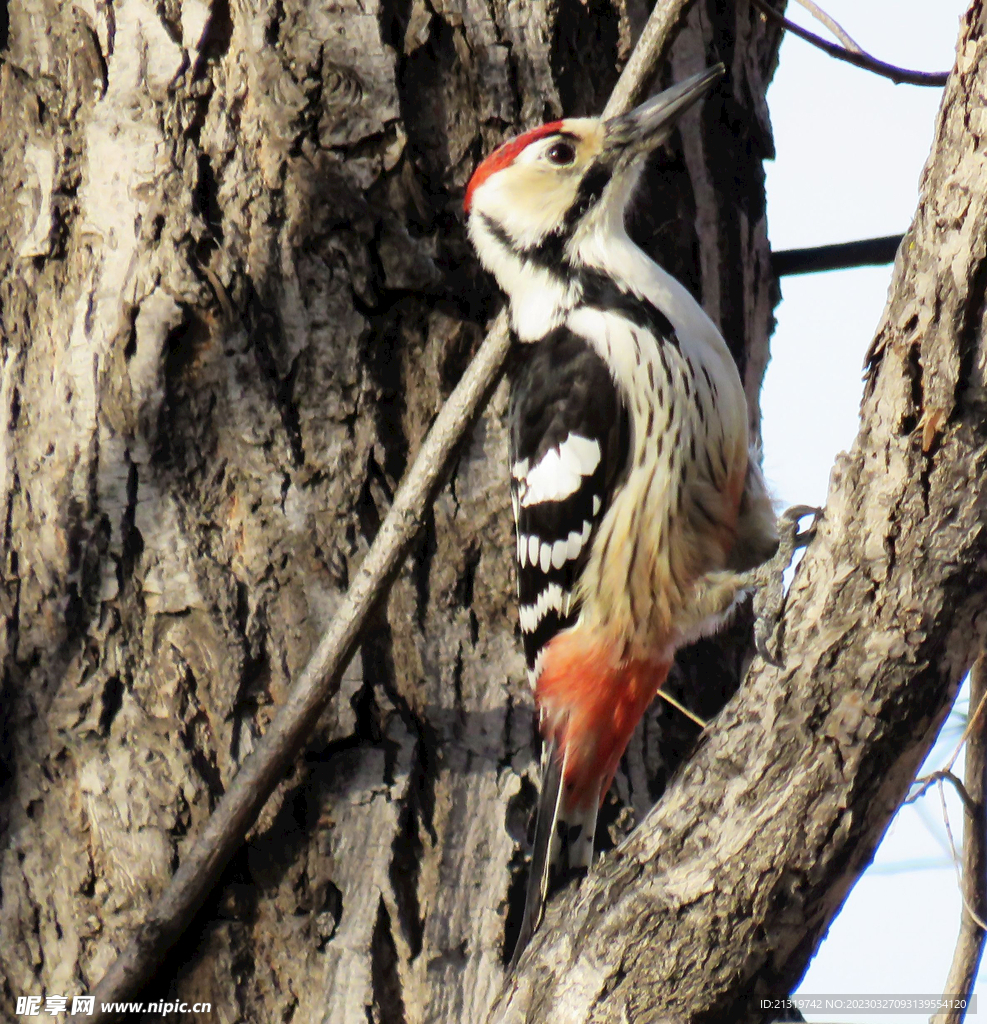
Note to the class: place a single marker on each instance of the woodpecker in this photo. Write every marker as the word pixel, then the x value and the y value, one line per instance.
pixel 637 504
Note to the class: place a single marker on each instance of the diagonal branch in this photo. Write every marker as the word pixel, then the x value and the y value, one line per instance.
pixel 261 771
pixel 653 44
pixel 860 59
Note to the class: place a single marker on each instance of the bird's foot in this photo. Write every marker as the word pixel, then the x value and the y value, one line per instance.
pixel 767 580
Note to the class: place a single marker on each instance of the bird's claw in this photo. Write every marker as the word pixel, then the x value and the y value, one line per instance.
pixel 791 517
pixel 769 593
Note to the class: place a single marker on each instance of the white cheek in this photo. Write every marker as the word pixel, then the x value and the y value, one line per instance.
pixel 528 203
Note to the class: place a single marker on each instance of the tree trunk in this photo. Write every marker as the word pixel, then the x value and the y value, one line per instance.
pixel 235 289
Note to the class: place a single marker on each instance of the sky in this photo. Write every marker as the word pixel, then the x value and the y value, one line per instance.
pixel 850 150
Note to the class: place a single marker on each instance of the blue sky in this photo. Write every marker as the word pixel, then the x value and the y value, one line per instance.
pixel 850 149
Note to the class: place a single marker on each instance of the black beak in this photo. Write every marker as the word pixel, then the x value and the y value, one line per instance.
pixel 647 126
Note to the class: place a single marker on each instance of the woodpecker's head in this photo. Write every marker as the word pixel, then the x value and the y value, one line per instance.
pixel 540 193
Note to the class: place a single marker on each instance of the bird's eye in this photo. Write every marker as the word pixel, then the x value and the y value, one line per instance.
pixel 561 153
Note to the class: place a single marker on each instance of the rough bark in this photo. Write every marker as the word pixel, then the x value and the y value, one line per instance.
pixel 234 289
pixel 722 896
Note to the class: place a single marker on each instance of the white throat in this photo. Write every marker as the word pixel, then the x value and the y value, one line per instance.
pixel 539 299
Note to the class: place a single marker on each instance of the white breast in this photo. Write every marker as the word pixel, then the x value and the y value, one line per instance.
pixel 688 439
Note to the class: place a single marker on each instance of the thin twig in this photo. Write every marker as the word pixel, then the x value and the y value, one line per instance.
pixel 833 25
pixel 973 722
pixel 899 76
pixel 927 780
pixel 939 777
pixel 682 709
pixel 260 773
pixel 957 864
pixel 973 881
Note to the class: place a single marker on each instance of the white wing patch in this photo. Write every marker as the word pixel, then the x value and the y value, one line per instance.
pixel 530 549
pixel 545 557
pixel 566 550
pixel 552 598
pixel 560 471
pixel 533 549
pixel 577 541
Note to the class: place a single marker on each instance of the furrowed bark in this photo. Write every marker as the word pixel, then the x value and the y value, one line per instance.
pixel 723 894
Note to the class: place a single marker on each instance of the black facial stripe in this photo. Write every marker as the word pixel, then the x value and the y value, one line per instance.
pixel 550 251
pixel 548 254
pixel 602 292
pixel 590 191
pixel 598 290
pixel 498 232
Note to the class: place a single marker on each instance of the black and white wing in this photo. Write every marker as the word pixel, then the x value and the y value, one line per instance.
pixel 569 445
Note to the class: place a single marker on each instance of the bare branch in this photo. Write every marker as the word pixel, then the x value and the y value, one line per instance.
pixel 833 25
pixel 973 884
pixel 260 773
pixel 938 778
pixel 977 919
pixel 841 256
pixel 900 76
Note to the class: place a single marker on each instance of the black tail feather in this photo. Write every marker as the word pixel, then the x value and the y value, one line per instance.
pixel 549 801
